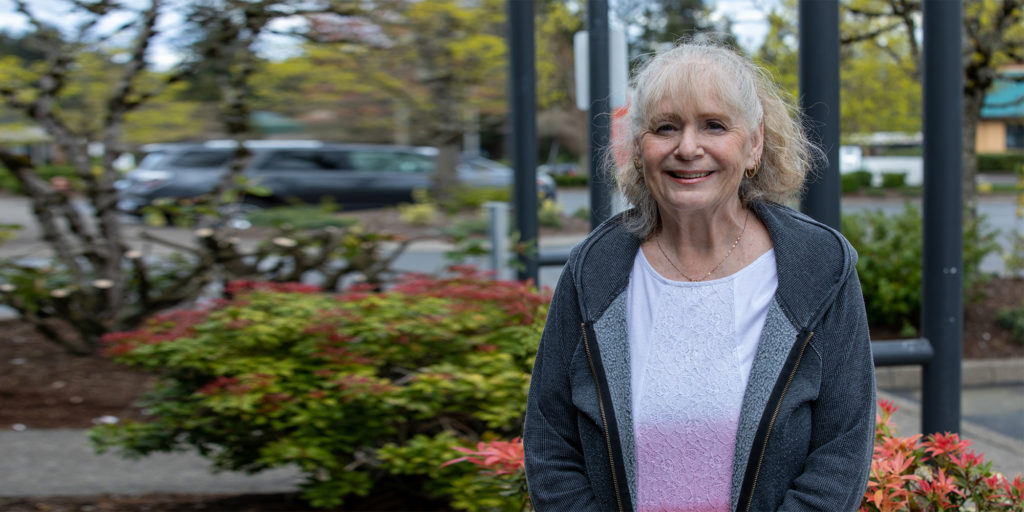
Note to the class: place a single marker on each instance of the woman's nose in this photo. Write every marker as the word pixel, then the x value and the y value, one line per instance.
pixel 688 147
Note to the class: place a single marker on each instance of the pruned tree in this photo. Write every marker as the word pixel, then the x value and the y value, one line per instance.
pixel 663 22
pixel 97 283
pixel 437 65
pixel 993 36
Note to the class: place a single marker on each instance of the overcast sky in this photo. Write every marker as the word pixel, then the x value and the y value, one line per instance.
pixel 747 15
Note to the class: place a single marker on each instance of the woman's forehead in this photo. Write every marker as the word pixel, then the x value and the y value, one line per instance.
pixel 693 102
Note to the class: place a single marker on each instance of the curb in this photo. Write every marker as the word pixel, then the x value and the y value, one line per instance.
pixel 975 372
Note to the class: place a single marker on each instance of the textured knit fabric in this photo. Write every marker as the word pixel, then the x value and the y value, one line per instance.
pixel 691 346
pixel 806 425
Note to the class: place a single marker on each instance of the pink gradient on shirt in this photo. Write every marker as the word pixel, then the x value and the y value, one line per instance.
pixel 685 466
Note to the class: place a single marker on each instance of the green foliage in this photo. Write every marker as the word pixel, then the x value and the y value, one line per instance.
pixel 1013 258
pixel 351 388
pixel 582 213
pixel 1012 319
pixel 550 214
pixel 894 180
pixel 877 93
pixel 423 212
pixel 1000 162
pixel 7 231
pixel 890 250
pixel 565 180
pixel 471 198
pixel 419 214
pixel 778 54
pixel 855 181
pixel 300 217
pixel 47 172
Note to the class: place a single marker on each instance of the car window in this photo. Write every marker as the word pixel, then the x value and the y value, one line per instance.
pixel 305 160
pixel 390 161
pixel 202 158
pixel 152 159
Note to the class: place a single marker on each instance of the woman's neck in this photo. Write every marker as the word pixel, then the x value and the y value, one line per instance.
pixel 702 234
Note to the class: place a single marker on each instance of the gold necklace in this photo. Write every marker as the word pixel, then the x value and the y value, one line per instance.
pixel 712 271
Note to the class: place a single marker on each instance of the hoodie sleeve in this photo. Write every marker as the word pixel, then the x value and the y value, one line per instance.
pixel 836 469
pixel 555 467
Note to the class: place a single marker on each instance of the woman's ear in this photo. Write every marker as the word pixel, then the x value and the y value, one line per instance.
pixel 757 148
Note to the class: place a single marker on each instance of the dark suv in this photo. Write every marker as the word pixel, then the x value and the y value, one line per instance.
pixel 352 175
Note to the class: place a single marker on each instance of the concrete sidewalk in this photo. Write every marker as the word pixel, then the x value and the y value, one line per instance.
pixel 63 463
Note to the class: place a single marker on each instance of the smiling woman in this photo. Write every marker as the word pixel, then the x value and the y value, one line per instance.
pixel 708 349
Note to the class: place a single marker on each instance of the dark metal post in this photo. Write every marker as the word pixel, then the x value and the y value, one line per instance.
pixel 600 118
pixel 942 308
pixel 523 105
pixel 819 99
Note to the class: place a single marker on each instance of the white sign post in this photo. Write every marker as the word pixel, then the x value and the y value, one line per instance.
pixel 618 68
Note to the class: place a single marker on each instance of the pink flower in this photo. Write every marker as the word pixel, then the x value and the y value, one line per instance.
pixel 501 457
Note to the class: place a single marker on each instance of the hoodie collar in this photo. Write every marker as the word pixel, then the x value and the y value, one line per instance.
pixel 812 261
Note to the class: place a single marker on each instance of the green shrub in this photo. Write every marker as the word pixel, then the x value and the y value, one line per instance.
pixel 9 184
pixel 300 217
pixel 1013 320
pixel 7 231
pixel 582 213
pixel 565 180
pixel 894 180
pixel 471 198
pixel 1013 258
pixel 890 249
pixel 1000 162
pixel 549 214
pixel 855 181
pixel 350 388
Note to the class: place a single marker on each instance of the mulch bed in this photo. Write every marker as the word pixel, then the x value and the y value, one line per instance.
pixel 42 386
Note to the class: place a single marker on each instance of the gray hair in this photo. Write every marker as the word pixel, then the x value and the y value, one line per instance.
pixel 710 68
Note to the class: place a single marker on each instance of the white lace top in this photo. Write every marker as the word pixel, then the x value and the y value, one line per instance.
pixel 691 349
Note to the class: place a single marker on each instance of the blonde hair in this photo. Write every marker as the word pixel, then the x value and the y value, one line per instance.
pixel 709 68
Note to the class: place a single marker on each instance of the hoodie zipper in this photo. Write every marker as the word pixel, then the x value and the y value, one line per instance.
pixel 604 418
pixel 775 414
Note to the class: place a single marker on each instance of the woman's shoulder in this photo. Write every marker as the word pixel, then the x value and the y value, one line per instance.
pixel 794 232
pixel 608 243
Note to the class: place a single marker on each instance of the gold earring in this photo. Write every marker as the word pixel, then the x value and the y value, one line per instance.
pixel 637 164
pixel 750 173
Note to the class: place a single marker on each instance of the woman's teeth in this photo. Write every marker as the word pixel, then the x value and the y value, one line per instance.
pixel 688 175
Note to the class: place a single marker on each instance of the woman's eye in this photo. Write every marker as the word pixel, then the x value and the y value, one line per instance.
pixel 663 128
pixel 715 125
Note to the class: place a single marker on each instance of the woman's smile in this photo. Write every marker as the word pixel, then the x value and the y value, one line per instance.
pixel 689 177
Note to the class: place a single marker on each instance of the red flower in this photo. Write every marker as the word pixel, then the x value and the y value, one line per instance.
pixel 947 443
pixel 500 457
pixel 939 489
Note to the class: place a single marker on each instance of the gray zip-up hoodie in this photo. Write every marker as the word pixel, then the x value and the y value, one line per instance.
pixel 806 427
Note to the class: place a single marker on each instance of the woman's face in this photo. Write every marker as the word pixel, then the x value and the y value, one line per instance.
pixel 694 154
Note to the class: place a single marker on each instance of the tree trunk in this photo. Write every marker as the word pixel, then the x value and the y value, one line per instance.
pixel 972 114
pixel 445 179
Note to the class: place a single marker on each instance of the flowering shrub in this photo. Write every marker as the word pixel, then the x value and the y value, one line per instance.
pixel 351 388
pixel 907 473
pixel 937 472
pixel 501 464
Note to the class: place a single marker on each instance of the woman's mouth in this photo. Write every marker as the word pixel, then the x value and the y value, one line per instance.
pixel 688 175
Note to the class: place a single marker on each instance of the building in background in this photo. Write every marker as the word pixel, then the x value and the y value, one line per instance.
pixel 1001 129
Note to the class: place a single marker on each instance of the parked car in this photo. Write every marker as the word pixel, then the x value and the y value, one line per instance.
pixel 568 169
pixel 353 175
